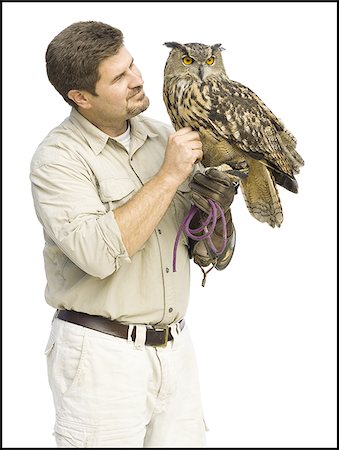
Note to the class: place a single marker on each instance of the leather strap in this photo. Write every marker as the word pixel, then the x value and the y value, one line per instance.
pixel 156 336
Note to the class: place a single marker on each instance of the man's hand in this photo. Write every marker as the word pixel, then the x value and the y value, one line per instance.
pixel 220 187
pixel 214 185
pixel 202 253
pixel 184 149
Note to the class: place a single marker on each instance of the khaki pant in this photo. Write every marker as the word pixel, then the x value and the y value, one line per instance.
pixel 113 392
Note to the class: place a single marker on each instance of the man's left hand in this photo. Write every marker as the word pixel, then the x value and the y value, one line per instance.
pixel 214 185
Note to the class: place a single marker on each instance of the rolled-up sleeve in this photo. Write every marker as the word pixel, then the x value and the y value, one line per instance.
pixel 68 205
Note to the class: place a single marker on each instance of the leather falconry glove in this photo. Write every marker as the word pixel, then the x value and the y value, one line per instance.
pixel 215 185
pixel 220 187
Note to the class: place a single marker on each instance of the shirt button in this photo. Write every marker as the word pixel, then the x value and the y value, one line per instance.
pixel 159 231
pixel 167 269
pixel 170 310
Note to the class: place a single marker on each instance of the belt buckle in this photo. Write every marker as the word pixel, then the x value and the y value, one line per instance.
pixel 166 329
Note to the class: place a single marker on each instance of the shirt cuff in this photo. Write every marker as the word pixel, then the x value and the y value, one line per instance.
pixel 112 236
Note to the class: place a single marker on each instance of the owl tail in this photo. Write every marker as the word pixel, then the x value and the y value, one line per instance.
pixel 289 142
pixel 261 195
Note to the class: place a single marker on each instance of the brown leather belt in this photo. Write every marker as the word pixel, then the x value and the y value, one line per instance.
pixel 156 336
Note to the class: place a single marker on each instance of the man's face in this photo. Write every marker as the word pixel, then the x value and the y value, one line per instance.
pixel 119 90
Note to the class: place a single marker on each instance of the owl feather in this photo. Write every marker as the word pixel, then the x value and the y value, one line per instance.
pixel 239 133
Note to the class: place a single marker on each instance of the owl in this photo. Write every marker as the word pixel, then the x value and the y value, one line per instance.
pixel 239 133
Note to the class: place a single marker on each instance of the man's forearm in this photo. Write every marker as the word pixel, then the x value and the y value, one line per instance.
pixel 138 217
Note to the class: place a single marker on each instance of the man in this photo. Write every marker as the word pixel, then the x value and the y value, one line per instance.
pixel 111 188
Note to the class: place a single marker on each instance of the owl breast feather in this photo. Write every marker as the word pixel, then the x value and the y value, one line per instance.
pixel 189 106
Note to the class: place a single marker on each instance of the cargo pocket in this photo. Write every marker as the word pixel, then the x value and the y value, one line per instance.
pixel 69 433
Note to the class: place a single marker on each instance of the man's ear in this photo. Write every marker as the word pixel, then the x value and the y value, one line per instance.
pixel 80 98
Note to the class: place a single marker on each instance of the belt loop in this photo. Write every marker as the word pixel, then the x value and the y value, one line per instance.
pixel 129 332
pixel 140 336
pixel 175 330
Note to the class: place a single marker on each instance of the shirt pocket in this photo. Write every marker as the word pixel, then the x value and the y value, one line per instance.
pixel 114 192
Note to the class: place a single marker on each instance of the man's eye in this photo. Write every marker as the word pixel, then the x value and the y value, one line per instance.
pixel 117 78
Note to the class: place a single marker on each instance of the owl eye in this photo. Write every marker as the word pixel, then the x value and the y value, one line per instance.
pixel 187 60
pixel 210 60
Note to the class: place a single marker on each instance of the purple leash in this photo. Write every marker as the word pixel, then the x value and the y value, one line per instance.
pixel 207 227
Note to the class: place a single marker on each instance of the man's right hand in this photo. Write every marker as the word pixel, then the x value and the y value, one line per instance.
pixel 184 149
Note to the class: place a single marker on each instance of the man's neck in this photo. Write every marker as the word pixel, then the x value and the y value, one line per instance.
pixel 112 131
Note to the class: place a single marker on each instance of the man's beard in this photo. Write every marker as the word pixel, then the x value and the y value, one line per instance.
pixel 139 106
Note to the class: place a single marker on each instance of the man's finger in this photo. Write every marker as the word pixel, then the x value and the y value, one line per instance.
pixel 201 202
pixel 183 131
pixel 199 154
pixel 211 183
pixel 218 175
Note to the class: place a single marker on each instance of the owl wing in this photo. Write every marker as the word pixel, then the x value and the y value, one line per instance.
pixel 237 114
pixel 288 140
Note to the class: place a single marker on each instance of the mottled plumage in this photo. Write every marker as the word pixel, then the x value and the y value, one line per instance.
pixel 237 130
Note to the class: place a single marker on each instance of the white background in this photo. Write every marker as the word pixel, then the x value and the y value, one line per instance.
pixel 265 328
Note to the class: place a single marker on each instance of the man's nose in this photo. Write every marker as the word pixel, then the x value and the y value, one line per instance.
pixel 136 78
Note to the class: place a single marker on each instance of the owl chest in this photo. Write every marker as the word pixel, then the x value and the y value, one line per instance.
pixel 178 105
pixel 189 106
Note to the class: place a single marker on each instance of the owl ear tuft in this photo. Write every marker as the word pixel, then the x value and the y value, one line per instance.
pixel 175 45
pixel 217 47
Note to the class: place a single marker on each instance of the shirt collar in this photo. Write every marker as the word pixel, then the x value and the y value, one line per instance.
pixel 139 129
pixel 97 139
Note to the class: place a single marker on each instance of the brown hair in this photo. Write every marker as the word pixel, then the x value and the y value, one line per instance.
pixel 74 55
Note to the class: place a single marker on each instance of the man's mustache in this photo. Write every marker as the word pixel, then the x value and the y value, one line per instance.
pixel 135 91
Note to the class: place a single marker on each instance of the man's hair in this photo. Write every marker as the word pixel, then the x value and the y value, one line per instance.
pixel 74 55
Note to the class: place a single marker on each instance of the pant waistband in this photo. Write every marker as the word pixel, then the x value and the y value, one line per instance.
pixel 158 336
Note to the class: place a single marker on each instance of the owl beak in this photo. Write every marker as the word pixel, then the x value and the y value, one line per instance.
pixel 201 72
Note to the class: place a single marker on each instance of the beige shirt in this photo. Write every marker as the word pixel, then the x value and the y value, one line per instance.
pixel 79 177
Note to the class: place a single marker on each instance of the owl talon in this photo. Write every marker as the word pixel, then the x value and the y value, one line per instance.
pixel 238 169
pixel 238 173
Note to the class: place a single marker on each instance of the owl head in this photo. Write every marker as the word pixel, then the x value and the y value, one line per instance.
pixel 194 60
